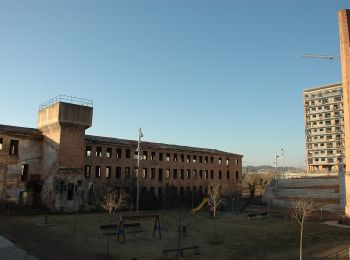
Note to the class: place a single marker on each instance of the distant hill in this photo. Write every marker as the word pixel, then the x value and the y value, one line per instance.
pixel 269 168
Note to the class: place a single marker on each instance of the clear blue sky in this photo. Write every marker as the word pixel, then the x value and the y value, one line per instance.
pixel 218 74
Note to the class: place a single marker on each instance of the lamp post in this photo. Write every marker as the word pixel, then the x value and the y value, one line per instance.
pixel 138 171
pixel 276 183
pixel 282 150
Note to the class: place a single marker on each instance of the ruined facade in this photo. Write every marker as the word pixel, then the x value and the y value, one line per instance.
pixel 324 128
pixel 59 166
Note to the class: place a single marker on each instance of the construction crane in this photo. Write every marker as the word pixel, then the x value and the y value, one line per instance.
pixel 315 56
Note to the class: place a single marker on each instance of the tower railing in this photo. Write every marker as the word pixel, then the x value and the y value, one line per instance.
pixel 67 99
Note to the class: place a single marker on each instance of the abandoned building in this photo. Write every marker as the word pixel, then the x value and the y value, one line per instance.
pixel 324 128
pixel 58 165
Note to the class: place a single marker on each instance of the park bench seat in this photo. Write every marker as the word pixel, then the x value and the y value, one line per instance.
pixel 180 250
pixel 252 216
pixel 109 229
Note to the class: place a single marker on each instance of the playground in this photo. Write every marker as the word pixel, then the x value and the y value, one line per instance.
pixel 227 236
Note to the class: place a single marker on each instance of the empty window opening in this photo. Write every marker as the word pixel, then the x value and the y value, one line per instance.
pixel 24 172
pixel 88 151
pixel 153 173
pixel 201 174
pixel 175 174
pixel 168 157
pixel 144 173
pixel 188 159
pixel 160 156
pixel 14 147
pixel 70 192
pixel 108 172
pixel 98 171
pixel 127 153
pixel 1 142
pixel 109 152
pixel 211 174
pixel 237 175
pixel 145 155
pixel 194 174
pixel 206 159
pixel 98 151
pixel 227 162
pixel 118 172
pixel 211 160
pixel 228 175
pixel 160 175
pixel 206 174
pixel 119 153
pixel 182 158
pixel 127 172
pixel 87 171
pixel 188 173
pixel 220 175
pixel 200 159
pixel 167 173
pixel 194 158
pixel 219 160
pixel 175 157
pixel 182 174
pixel 153 156
pixel 237 162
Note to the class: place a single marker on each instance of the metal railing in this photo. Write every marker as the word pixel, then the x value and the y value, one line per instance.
pixel 341 254
pixel 67 99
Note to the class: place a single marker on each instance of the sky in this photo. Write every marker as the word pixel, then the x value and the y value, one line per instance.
pixel 217 74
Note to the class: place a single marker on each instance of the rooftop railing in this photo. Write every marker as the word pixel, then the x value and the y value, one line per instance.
pixel 67 99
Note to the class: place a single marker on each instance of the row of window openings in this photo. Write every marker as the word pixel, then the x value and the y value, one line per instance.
pixel 323 101
pixel 329 145
pixel 176 174
pixel 328 137
pixel 327 115
pixel 325 108
pixel 325 93
pixel 322 160
pixel 13 146
pixel 179 190
pixel 328 130
pixel 181 157
pixel 336 122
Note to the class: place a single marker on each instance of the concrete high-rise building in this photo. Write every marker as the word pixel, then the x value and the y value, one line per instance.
pixel 324 127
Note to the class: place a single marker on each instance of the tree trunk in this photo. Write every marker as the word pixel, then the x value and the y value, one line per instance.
pixel 301 240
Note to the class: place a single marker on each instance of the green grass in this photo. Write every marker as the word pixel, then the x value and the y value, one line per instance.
pixel 224 237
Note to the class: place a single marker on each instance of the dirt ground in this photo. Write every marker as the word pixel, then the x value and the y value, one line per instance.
pixel 227 236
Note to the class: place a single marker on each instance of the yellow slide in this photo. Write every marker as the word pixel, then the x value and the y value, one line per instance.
pixel 200 206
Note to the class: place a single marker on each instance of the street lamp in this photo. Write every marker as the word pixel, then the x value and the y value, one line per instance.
pixel 276 156
pixel 138 171
pixel 282 163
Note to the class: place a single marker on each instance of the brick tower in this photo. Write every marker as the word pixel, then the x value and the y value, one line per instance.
pixel 63 121
pixel 344 30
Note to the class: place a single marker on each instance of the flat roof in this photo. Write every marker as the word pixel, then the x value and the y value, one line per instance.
pixel 323 87
pixel 19 130
pixel 111 140
pixel 146 144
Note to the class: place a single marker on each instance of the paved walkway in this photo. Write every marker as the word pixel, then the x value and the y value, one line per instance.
pixel 335 223
pixel 9 251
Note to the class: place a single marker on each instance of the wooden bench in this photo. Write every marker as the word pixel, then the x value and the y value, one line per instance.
pixel 252 216
pixel 264 214
pixel 180 250
pixel 109 229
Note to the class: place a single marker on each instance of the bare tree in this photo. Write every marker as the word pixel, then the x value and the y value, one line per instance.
pixel 301 211
pixel 256 182
pixel 215 198
pixel 114 201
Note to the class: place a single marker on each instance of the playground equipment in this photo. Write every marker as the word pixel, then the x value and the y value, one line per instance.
pixel 200 206
pixel 123 225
